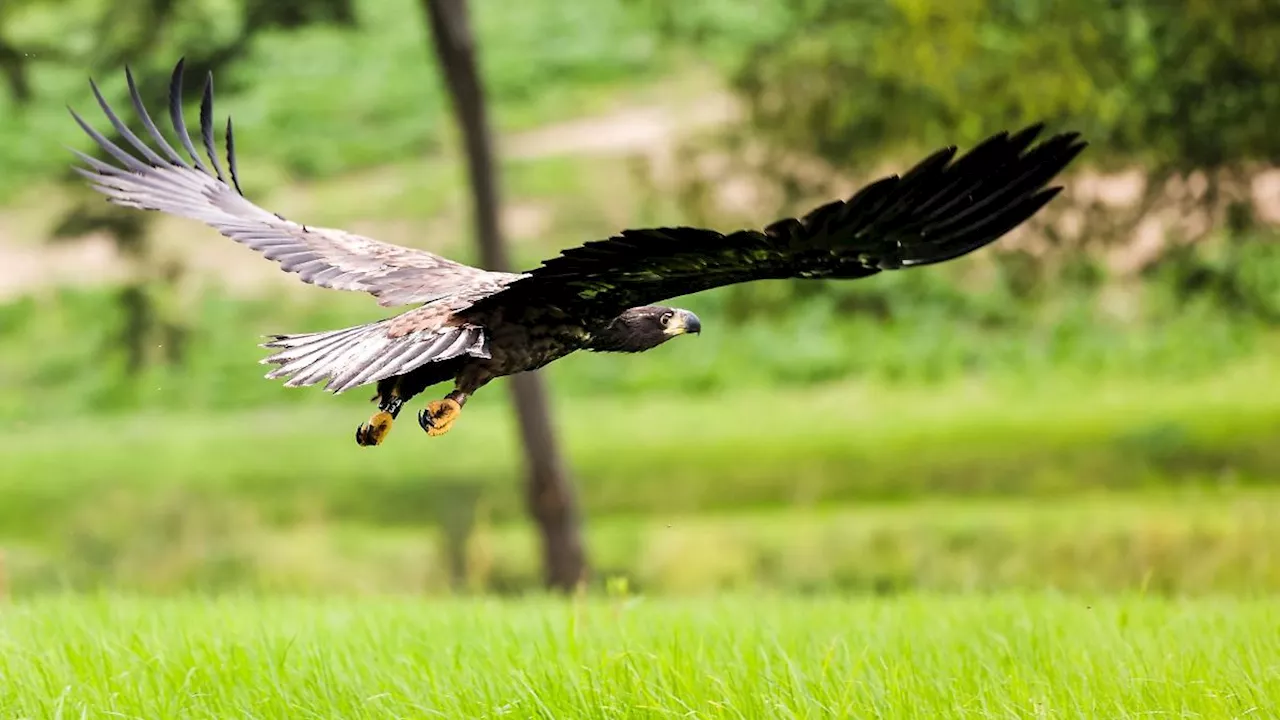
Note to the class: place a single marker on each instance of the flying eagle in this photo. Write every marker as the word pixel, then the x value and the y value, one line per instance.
pixel 472 325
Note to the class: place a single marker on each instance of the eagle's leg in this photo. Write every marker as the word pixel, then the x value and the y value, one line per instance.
pixel 439 415
pixel 375 431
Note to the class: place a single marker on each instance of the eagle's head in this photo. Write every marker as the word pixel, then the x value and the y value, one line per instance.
pixel 644 328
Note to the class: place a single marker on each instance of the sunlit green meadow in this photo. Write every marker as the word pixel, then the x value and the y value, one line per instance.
pixel 1033 656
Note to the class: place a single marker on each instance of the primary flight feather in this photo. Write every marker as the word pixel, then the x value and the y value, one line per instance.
pixel 472 325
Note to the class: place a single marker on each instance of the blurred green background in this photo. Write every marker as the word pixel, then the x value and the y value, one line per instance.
pixel 1091 404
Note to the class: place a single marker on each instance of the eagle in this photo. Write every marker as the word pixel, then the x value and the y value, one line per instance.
pixel 470 326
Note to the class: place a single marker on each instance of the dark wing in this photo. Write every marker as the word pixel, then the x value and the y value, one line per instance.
pixel 325 257
pixel 937 211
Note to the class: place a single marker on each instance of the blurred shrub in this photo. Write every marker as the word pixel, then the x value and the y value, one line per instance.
pixel 170 538
pixel 1188 545
pixel 1240 275
pixel 1187 84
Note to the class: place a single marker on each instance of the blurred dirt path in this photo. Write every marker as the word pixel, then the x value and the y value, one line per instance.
pixel 631 130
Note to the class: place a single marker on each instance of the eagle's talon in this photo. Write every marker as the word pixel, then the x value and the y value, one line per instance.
pixel 439 416
pixel 375 431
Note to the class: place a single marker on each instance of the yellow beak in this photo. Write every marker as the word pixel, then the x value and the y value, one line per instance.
pixel 684 322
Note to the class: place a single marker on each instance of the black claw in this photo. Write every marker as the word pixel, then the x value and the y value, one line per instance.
pixel 425 419
pixel 362 432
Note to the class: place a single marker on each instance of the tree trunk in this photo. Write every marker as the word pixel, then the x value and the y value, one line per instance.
pixel 548 491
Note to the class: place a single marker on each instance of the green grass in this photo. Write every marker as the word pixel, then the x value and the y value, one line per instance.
pixel 1030 656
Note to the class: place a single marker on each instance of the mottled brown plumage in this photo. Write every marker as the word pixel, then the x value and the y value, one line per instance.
pixel 473 325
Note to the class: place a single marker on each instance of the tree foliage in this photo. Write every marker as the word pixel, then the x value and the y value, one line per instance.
pixel 1187 84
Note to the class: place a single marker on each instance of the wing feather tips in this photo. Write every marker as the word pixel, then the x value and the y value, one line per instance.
pixel 1026 178
pixel 206 126
pixel 162 156
pixel 939 211
pixel 176 116
pixel 1016 180
pixel 980 237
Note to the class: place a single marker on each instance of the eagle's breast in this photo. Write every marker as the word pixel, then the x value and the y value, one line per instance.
pixel 532 340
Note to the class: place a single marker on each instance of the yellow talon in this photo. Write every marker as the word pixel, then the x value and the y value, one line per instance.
pixel 439 416
pixel 374 431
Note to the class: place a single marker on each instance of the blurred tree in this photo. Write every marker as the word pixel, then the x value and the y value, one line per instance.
pixel 18 56
pixel 549 492
pixel 14 64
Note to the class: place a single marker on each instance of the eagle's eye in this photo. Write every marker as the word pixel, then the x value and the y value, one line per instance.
pixel 666 318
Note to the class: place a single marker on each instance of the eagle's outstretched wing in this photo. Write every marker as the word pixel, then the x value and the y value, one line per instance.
pixel 325 257
pixel 937 211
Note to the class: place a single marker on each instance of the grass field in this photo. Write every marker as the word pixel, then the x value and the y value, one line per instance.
pixel 1033 656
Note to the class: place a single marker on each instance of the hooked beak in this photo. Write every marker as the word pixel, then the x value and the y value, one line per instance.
pixel 684 323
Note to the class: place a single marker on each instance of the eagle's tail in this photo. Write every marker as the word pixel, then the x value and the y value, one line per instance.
pixel 358 355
